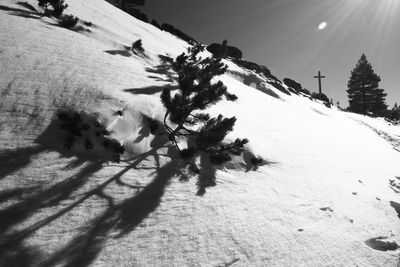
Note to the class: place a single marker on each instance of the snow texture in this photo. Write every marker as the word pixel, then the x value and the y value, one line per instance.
pixel 328 194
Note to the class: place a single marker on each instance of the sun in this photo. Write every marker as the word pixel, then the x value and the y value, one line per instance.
pixel 322 25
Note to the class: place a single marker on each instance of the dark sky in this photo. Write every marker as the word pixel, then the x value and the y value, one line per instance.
pixel 284 36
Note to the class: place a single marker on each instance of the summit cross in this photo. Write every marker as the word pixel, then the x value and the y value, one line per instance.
pixel 319 77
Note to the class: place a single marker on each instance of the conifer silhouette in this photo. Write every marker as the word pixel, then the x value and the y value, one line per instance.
pixel 185 117
pixel 58 6
pixel 364 93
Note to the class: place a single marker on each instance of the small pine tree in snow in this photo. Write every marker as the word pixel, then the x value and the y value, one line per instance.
pixel 185 117
pixel 58 6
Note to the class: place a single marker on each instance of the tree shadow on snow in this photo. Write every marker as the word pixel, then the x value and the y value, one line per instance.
pixel 150 90
pixel 27 6
pixel 77 28
pixel 29 201
pixel 30 13
pixel 12 160
pixel 23 217
pixel 120 218
pixel 166 75
pixel 163 70
pixel 124 53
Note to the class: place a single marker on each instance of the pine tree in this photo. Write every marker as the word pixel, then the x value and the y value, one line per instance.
pixel 363 89
pixel 185 117
pixel 58 6
pixel 394 113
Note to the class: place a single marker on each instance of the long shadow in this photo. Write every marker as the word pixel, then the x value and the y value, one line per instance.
pixel 29 201
pixel 124 53
pixel 76 28
pixel 116 221
pixel 206 176
pixel 12 241
pixel 164 69
pixel 39 198
pixel 27 6
pixel 31 13
pixel 20 256
pixel 319 112
pixel 150 90
pixel 121 218
pixel 165 74
pixel 14 160
pixel 16 193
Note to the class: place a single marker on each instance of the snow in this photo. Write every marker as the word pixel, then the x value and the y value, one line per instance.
pixel 324 198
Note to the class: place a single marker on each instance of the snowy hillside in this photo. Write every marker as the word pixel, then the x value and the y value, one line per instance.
pixel 328 196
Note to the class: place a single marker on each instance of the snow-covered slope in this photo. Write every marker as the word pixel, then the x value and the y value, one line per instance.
pixel 327 197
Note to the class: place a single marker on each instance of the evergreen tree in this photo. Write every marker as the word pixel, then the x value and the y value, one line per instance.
pixel 394 113
pixel 58 6
pixel 185 117
pixel 363 89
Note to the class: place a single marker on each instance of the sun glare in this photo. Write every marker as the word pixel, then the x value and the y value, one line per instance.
pixel 322 25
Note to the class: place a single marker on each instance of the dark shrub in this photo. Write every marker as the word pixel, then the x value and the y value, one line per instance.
pixel 293 84
pixel 69 142
pixel 58 6
pixel 259 69
pixel 295 87
pixel 264 71
pixel 137 47
pixel 138 14
pixel 320 96
pixel 232 51
pixel 89 145
pixel 306 91
pixel 178 33
pixel 256 161
pixel 88 23
pixel 69 21
pixel 155 23
pixel 77 126
pixel 278 85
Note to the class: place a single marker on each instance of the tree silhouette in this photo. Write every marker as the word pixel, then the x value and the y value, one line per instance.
pixel 364 93
pixel 185 117
pixel 58 6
